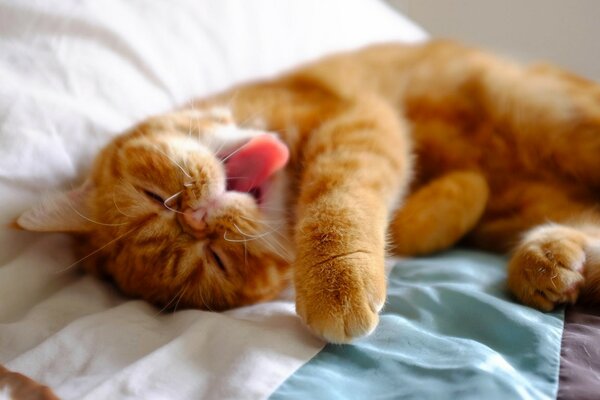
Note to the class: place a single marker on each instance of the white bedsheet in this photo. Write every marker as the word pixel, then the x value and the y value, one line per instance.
pixel 72 75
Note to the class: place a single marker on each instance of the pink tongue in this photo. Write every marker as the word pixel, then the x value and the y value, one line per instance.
pixel 255 162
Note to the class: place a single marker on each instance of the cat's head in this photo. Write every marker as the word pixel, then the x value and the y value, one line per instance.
pixel 185 210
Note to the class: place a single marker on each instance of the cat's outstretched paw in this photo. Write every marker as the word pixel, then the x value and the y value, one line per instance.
pixel 547 269
pixel 340 298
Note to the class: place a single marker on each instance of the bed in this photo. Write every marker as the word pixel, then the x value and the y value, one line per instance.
pixel 75 73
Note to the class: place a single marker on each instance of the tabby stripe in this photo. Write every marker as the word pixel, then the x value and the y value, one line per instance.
pixel 163 261
pixel 150 241
pixel 115 168
pixel 117 248
pixel 176 259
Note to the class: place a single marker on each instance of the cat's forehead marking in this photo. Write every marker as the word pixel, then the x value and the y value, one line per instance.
pixel 233 133
pixel 207 118
pixel 183 144
pixel 172 144
pixel 222 113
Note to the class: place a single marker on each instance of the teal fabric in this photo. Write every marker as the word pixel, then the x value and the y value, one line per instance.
pixel 449 330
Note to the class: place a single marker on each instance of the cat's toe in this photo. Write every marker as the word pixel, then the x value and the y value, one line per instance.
pixel 336 327
pixel 547 270
pixel 340 300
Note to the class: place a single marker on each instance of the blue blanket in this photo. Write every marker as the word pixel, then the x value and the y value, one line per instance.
pixel 449 330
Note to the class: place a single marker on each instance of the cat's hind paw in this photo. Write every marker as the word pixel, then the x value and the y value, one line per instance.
pixel 547 269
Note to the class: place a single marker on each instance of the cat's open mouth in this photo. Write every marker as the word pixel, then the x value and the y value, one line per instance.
pixel 250 166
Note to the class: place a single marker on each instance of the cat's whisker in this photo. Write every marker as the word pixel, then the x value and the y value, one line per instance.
pixel 246 122
pixel 233 97
pixel 272 242
pixel 243 240
pixel 264 221
pixel 117 207
pixel 272 225
pixel 190 127
pixel 280 251
pixel 204 302
pixel 277 247
pixel 276 209
pixel 97 250
pixel 234 240
pixel 273 245
pixel 180 297
pixel 218 150
pixel 174 162
pixel 234 152
pixel 171 198
pixel 173 210
pixel 250 235
pixel 171 301
pixel 91 220
pixel 279 244
pixel 195 117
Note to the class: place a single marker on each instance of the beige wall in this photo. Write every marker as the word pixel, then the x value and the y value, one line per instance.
pixel 566 32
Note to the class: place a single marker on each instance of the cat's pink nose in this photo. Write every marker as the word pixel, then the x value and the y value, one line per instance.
pixel 195 219
pixel 195 215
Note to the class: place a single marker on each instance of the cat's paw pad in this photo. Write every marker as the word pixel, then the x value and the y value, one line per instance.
pixel 340 299
pixel 547 269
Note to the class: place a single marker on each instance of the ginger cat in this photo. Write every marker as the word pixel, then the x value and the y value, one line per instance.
pixel 214 205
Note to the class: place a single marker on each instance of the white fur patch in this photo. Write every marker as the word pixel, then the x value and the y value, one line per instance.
pixel 231 136
pixel 183 144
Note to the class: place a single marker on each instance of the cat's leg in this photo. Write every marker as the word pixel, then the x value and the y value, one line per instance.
pixel 555 263
pixel 522 205
pixel 438 214
pixel 551 262
pixel 356 167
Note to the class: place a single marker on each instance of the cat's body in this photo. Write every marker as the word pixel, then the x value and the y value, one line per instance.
pixel 436 142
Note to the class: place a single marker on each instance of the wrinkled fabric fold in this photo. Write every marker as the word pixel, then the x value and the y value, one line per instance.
pixel 449 330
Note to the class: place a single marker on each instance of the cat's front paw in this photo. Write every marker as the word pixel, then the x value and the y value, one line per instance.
pixel 340 298
pixel 547 269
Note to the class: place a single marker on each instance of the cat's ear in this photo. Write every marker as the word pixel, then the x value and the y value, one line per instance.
pixel 59 212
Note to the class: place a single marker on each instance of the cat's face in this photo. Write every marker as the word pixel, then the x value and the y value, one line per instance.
pixel 184 211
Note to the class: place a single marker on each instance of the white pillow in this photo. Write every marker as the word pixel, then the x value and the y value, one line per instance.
pixel 74 72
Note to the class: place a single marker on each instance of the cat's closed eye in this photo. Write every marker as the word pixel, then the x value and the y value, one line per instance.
pixel 153 196
pixel 216 259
